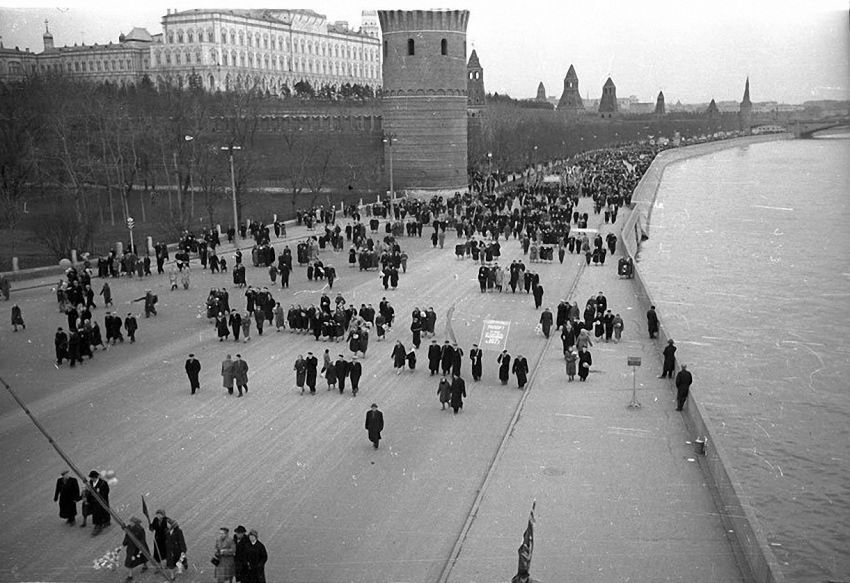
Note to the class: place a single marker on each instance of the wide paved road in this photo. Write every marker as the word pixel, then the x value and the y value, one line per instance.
pixel 297 468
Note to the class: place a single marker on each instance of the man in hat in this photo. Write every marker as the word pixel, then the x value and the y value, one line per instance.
pixel 669 360
pixel 374 424
pixel 434 356
pixel 100 517
pixel 255 559
pixel 67 493
pixel 193 369
pixel 240 374
pixel 240 557
pixel 684 379
pixel 355 371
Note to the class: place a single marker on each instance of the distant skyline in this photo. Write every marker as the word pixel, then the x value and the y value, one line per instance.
pixel 693 51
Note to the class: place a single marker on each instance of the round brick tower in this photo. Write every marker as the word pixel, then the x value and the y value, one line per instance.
pixel 424 101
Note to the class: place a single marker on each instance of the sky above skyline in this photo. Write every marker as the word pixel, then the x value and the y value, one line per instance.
pixel 694 51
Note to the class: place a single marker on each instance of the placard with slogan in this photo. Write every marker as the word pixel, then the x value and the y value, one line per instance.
pixel 494 335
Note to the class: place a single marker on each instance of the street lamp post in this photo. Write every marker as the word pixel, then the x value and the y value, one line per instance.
pixel 189 138
pixel 233 186
pixel 388 139
pixel 490 171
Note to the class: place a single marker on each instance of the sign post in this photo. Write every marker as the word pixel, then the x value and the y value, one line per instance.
pixel 634 362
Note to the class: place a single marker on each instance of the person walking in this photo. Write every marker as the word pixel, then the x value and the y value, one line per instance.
pixel 684 379
pixel 355 371
pixel 225 554
pixel 240 541
pixel 256 556
pixel 444 390
pixel 175 549
pixel 300 368
pixel 312 364
pixel 227 374
pixel 433 357
pixel 571 358
pixel 546 322
pixel 100 517
pixel 399 356
pixel 504 361
pixel 193 369
pixel 476 355
pixel 584 362
pixel 159 527
pixel 67 493
pixel 17 318
pixel 538 296
pixel 131 325
pixel 240 374
pixel 520 369
pixel 618 327
pixel 374 424
pixel 458 392
pixel 134 557
pixel 652 322
pixel 669 360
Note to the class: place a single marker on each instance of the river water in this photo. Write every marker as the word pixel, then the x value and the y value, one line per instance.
pixel 749 263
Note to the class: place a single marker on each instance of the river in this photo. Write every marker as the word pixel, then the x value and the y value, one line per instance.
pixel 749 263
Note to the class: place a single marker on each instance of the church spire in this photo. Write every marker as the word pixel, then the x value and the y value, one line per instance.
pixel 747 92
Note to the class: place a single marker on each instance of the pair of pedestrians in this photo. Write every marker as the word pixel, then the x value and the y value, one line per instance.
pixel 232 371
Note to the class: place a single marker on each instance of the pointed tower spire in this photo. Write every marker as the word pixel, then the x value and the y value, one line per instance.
pixel 47 38
pixel 747 91
pixel 570 98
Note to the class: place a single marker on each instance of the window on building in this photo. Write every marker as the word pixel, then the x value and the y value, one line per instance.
pixel 198 56
pixel 444 47
pixel 180 36
pixel 241 39
pixel 411 49
pixel 190 37
pixel 223 37
pixel 170 38
pixel 210 36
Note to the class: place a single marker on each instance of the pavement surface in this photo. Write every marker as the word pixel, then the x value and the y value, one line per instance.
pixel 618 495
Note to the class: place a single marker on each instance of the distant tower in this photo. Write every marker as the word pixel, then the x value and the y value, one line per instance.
pixel 570 99
pixel 608 103
pixel 48 39
pixel 541 92
pixel 712 110
pixel 476 102
pixel 745 112
pixel 369 23
pixel 659 104
pixel 424 102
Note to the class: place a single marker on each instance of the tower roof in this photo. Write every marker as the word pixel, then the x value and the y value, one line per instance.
pixel 571 73
pixel 746 99
pixel 660 96
pixel 473 61
pixel 608 83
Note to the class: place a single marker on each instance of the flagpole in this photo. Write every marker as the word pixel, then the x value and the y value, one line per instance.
pixel 76 470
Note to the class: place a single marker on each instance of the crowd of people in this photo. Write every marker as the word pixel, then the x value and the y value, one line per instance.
pixel 539 218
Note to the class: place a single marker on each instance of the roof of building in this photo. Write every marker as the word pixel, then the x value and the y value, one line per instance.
pixel 571 74
pixel 138 34
pixel 660 96
pixel 608 83
pixel 473 61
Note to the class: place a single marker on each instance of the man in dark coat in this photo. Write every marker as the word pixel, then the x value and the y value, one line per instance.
pixel 355 371
pixel 520 369
pixel 447 357
pixel 399 356
pixel 241 555
pixel 255 560
pixel 100 516
pixel 193 369
pixel 131 325
pixel 342 368
pixel 458 393
pixel 240 374
pixel 312 364
pixel 159 527
pixel 652 322
pixel 538 296
pixel 434 357
pixel 475 355
pixel 546 322
pixel 584 362
pixel 457 359
pixel 60 343
pixel 669 360
pixel 374 424
pixel 683 387
pixel 67 493
pixel 504 361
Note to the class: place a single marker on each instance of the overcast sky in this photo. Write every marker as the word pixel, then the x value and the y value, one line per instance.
pixel 693 50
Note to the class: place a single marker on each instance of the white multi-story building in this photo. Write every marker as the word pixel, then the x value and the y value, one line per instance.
pixel 221 50
pixel 232 49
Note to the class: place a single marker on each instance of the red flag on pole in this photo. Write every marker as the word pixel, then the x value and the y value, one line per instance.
pixel 525 550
